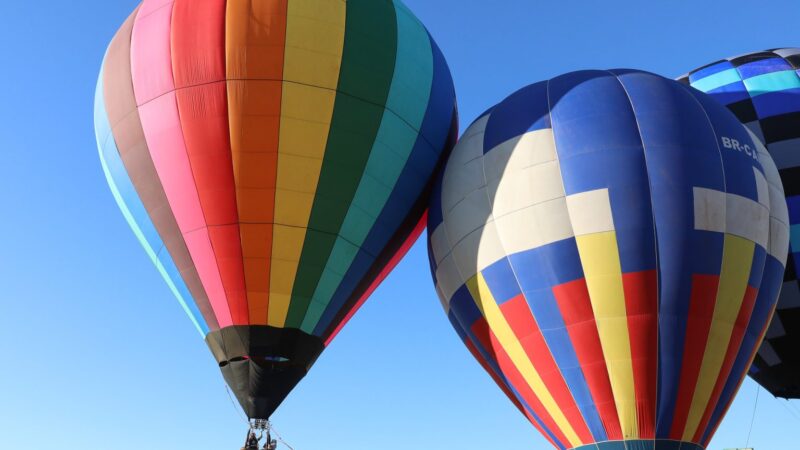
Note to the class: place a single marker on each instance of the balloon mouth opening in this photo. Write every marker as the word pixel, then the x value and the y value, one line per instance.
pixel 263 349
pixel 260 360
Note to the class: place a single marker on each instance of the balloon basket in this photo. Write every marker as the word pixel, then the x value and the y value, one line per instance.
pixel 261 430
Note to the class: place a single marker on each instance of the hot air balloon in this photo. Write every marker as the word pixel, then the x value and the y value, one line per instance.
pixel 763 90
pixel 274 158
pixel 609 245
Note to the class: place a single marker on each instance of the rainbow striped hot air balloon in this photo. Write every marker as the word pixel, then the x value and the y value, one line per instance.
pixel 763 90
pixel 609 245
pixel 273 157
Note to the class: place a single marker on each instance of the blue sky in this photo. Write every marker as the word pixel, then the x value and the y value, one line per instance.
pixel 95 348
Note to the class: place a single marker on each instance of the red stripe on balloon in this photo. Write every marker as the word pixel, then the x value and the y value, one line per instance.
pixel 698 324
pixel 739 329
pixel 489 341
pixel 151 71
pixel 520 318
pixel 198 60
pixel 753 352
pixel 641 304
pixel 576 309
pixel 495 377
pixel 506 390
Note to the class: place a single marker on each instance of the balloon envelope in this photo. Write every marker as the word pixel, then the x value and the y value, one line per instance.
pixel 274 158
pixel 763 90
pixel 609 245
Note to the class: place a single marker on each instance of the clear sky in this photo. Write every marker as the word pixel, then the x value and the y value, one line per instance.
pixel 96 351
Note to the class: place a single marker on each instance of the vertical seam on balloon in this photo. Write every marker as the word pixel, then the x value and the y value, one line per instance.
pixel 591 388
pixel 519 285
pixel 125 208
pixel 572 228
pixel 350 207
pixel 459 271
pixel 182 235
pixel 149 157
pixel 296 264
pixel 723 376
pixel 235 199
pixel 655 249
pixel 422 139
pixel 714 422
pixel 765 259
pixel 708 414
pixel 331 329
pixel 572 232
pixel 134 15
pixel 493 366
pixel 277 165
pixel 444 228
pixel 277 151
pixel 308 228
pixel 212 319
pixel 713 427
pixel 223 48
pixel 622 391
pixel 725 186
pixel 205 226
pixel 549 434
pixel 410 231
pixel 516 277
pixel 488 306
pixel 151 252
pixel 317 278
pixel 417 148
pixel 137 230
pixel 725 248
pixel 681 385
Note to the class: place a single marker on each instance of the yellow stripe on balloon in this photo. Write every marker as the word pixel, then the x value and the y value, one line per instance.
pixel 508 340
pixel 314 43
pixel 601 266
pixel 737 259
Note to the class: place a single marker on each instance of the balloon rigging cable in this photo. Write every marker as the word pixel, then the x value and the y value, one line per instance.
pixel 238 411
pixel 280 439
pixel 753 418
pixel 792 411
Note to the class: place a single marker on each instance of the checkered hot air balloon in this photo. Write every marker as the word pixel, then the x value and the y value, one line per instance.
pixel 274 158
pixel 609 245
pixel 763 90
